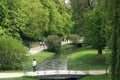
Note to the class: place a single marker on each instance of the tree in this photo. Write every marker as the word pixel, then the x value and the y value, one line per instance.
pixel 34 19
pixel 59 17
pixel 12 53
pixel 88 16
pixel 2 17
pixel 53 43
pixel 37 22
pixel 15 18
pixel 67 22
pixel 54 17
pixel 74 38
pixel 113 21
pixel 95 28
pixel 79 7
pixel 24 19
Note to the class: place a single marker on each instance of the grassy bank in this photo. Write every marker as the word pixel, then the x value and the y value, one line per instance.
pixel 95 77
pixel 39 57
pixel 21 78
pixel 89 56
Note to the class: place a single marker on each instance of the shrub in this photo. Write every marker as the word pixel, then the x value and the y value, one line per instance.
pixel 53 43
pixel 74 38
pixel 12 53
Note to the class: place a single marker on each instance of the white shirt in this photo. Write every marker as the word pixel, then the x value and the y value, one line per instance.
pixel 34 63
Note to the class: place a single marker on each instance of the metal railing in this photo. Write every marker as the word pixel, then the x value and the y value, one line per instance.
pixel 57 68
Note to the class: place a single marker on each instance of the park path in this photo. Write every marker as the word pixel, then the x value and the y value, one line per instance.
pixel 35 50
pixel 11 75
pixel 21 74
pixel 38 49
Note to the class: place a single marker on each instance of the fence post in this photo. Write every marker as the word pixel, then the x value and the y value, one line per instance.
pixel 106 68
pixel 0 67
pixel 87 66
pixel 24 68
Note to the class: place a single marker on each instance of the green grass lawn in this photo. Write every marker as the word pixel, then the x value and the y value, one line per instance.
pixel 28 64
pixel 89 56
pixel 39 57
pixel 21 78
pixel 95 77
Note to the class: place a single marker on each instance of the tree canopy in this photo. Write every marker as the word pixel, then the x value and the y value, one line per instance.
pixel 34 19
pixel 88 16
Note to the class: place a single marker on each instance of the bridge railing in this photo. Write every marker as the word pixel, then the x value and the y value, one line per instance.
pixel 78 66
pixel 58 66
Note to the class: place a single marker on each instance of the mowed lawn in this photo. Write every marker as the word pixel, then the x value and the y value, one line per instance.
pixel 95 77
pixel 39 57
pixel 89 58
pixel 21 78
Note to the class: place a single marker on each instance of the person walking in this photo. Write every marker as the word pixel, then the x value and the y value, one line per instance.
pixel 34 64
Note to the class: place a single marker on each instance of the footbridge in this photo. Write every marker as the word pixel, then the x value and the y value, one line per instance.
pixel 58 69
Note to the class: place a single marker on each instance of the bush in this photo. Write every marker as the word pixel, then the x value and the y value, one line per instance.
pixel 53 43
pixel 12 53
pixel 74 38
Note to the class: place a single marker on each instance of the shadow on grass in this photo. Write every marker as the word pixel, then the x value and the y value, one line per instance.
pixel 94 61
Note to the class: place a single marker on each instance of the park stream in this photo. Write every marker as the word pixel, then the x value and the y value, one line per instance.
pixel 59 62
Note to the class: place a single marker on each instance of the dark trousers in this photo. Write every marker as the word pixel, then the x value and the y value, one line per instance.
pixel 34 68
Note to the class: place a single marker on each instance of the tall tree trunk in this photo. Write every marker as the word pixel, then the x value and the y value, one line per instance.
pixel 100 51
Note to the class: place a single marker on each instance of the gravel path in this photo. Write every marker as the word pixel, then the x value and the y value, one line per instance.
pixel 38 49
pixel 11 75
pixel 35 50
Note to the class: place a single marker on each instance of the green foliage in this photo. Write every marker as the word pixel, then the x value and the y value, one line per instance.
pixel 53 43
pixel 2 17
pixel 39 57
pixel 15 18
pixel 2 13
pixel 88 16
pixel 87 55
pixel 79 7
pixel 12 53
pixel 37 22
pixel 59 17
pixel 21 78
pixel 67 46
pixel 95 77
pixel 34 19
pixel 74 38
pixel 95 30
pixel 113 21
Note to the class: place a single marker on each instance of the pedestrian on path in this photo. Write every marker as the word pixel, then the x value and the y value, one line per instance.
pixel 34 65
pixel 40 44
